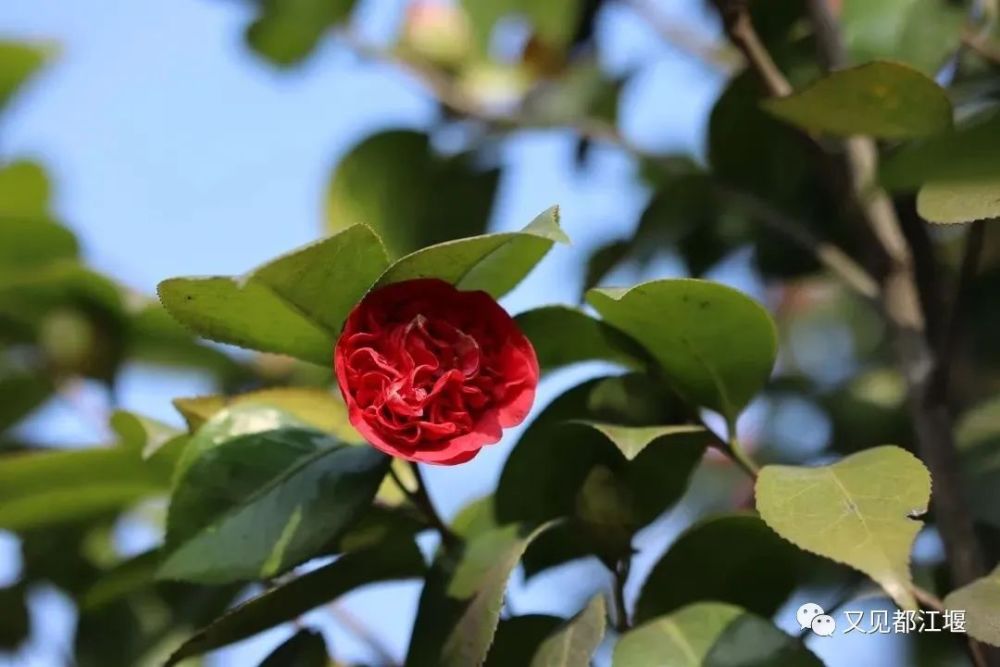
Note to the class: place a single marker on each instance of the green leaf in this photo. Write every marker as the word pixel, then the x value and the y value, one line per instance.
pixel 318 408
pixel 223 477
pixel 306 648
pixel 22 392
pixel 24 190
pixel 563 469
pixel 286 522
pixel 711 634
pixel 855 511
pixel 970 152
pixel 246 315
pixel 632 440
pixel 977 435
pixel 517 639
pixel 15 627
pixel 394 182
pixel 286 31
pixel 494 263
pixel 295 304
pixel 460 606
pixel 40 489
pixel 921 33
pixel 145 435
pixel 881 99
pixel 29 242
pixel 18 62
pixel 574 644
pixel 700 566
pixel 715 345
pixel 120 581
pixel 385 562
pixel 980 601
pixel 562 336
pixel 326 279
pixel 962 201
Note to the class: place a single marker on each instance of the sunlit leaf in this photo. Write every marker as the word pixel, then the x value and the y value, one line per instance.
pixel 716 345
pixel 962 201
pixel 18 62
pixel 980 601
pixel 574 643
pixel 856 511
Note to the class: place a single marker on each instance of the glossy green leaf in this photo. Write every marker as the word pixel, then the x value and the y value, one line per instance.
pixel 563 469
pixel 856 511
pixel 318 408
pixel 980 601
pixel 563 336
pixel 969 153
pixel 286 522
pixel 700 566
pixel 711 634
pixel 245 314
pixel 385 562
pixel 45 488
pixel 632 440
pixel 395 182
pixel 24 190
pixel 286 31
pixel 881 99
pixel 460 606
pixel 715 345
pixel 18 62
pixel 306 648
pixel 494 263
pixel 223 477
pixel 326 279
pixel 963 201
pixel 518 638
pixel 293 305
pixel 574 644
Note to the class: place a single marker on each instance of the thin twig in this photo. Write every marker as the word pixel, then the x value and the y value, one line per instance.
pixel 621 572
pixel 740 30
pixel 423 501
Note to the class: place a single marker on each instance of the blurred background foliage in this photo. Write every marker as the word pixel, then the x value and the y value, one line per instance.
pixel 497 71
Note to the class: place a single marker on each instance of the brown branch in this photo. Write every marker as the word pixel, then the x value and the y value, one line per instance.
pixel 740 30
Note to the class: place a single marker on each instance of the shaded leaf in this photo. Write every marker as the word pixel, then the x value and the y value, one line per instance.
pixel 881 99
pixel 711 634
pixel 563 336
pixel 855 511
pixel 573 644
pixel 460 605
pixel 387 561
pixel 970 152
pixel 22 393
pixel 394 182
pixel 15 624
pixel 980 601
pixel 28 242
pixel 517 639
pixel 306 648
pixel 701 565
pixel 286 522
pixel 715 345
pixel 977 436
pixel 921 33
pixel 962 201
pixel 494 263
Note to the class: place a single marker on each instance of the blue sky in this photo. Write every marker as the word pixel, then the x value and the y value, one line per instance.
pixel 174 151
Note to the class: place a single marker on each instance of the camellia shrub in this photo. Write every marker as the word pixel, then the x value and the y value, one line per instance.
pixel 383 348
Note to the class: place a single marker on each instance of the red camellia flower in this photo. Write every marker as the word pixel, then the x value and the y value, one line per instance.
pixel 430 373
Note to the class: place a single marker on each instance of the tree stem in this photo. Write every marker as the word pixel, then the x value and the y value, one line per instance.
pixel 621 572
pixel 422 500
